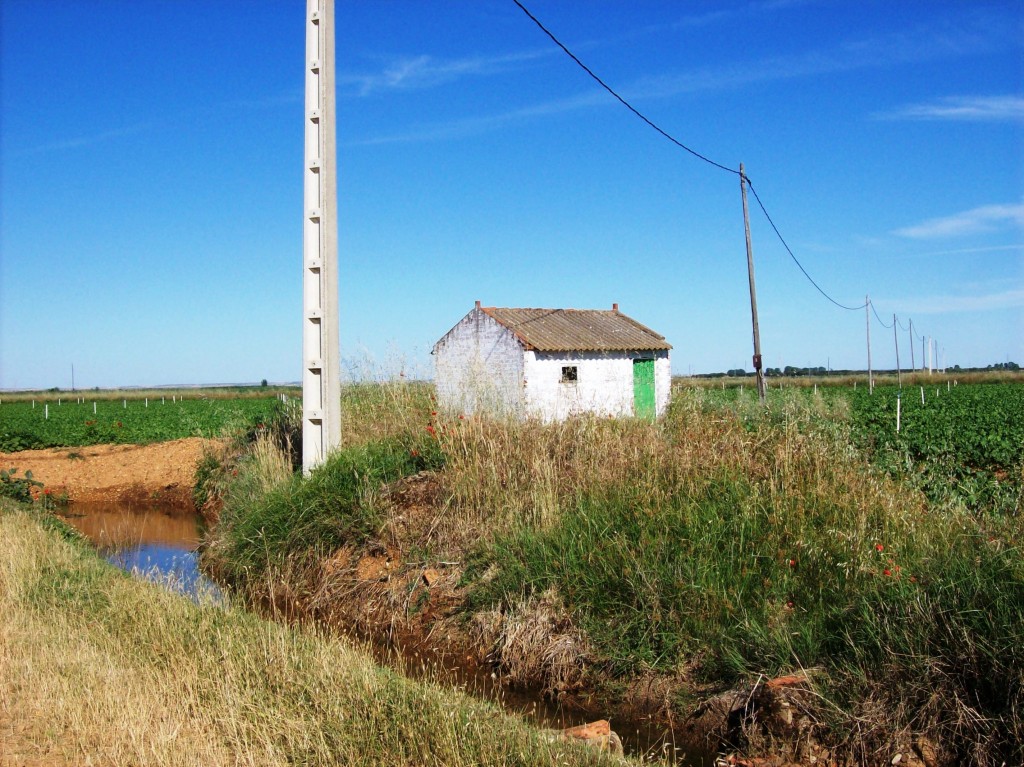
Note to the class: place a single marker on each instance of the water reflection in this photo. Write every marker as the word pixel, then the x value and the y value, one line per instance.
pixel 155 543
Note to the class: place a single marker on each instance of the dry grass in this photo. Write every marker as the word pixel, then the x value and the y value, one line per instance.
pixel 96 667
pixel 536 644
pixel 502 473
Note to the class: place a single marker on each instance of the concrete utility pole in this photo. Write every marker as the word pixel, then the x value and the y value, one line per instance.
pixel 321 369
pixel 758 372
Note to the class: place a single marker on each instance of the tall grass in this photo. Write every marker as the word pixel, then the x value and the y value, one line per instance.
pixel 97 667
pixel 273 519
pixel 727 543
pixel 721 543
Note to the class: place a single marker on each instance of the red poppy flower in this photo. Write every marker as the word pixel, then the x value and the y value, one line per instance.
pixel 879 547
pixel 792 563
pixel 886 571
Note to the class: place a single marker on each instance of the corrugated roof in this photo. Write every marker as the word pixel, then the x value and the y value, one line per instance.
pixel 590 330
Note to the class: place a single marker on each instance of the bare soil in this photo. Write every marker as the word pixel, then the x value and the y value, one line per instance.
pixel 162 472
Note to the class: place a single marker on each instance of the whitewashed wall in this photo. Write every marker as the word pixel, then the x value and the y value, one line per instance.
pixel 604 383
pixel 478 365
pixel 662 381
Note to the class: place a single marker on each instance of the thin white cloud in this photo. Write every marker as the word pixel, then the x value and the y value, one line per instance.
pixel 919 44
pixel 1007 299
pixel 970 251
pixel 962 108
pixel 987 218
pixel 748 11
pixel 282 99
pixel 472 126
pixel 924 43
pixel 76 142
pixel 423 71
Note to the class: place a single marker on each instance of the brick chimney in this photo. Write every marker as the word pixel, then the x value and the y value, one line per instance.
pixel 615 308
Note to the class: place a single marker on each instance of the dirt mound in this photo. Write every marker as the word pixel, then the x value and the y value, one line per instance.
pixel 162 472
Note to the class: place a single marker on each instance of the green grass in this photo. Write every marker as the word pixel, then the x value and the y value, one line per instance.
pixel 752 584
pixel 302 519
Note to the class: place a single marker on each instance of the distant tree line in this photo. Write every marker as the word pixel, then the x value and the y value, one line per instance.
pixel 793 372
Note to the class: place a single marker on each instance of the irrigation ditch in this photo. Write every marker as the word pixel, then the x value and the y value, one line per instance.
pixel 134 503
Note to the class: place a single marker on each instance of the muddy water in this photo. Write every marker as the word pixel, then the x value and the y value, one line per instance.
pixel 160 544
pixel 640 738
pixel 154 542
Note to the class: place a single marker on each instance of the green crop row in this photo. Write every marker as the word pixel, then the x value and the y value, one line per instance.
pixel 982 427
pixel 24 426
pixel 957 442
pixel 963 443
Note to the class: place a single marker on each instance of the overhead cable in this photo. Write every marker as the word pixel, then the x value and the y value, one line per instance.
pixel 621 100
pixel 791 255
pixel 880 320
pixel 680 144
pixel 706 159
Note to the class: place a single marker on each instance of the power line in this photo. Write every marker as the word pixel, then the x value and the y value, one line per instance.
pixel 706 159
pixel 795 259
pixel 680 144
pixel 621 100
pixel 880 320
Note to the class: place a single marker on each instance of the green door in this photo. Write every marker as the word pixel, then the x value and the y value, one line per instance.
pixel 643 389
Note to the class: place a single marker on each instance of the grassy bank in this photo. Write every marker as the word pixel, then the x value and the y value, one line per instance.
pixel 718 545
pixel 97 667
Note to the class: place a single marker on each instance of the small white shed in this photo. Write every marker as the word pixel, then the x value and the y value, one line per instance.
pixel 552 363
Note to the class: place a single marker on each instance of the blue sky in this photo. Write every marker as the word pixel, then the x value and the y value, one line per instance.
pixel 151 187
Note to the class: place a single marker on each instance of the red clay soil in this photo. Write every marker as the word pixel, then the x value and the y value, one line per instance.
pixel 162 472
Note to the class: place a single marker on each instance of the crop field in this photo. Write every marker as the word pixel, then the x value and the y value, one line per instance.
pixel 964 442
pixel 25 425
pixel 960 442
pixel 980 427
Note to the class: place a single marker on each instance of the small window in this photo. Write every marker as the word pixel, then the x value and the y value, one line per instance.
pixel 569 374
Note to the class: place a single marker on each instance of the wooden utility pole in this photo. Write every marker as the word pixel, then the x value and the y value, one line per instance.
pixel 867 322
pixel 758 372
pixel 899 376
pixel 910 332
